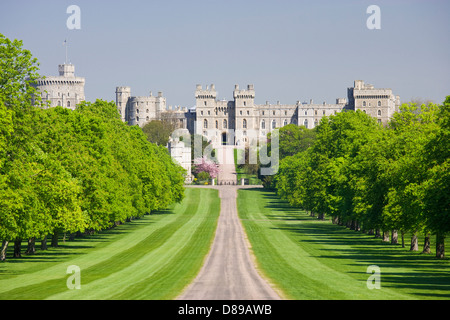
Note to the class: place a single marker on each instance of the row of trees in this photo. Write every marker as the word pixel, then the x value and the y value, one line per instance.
pixel 385 180
pixel 71 171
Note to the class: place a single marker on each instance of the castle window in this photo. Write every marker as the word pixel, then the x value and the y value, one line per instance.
pixel 379 103
pixel 263 124
pixel 315 112
pixel 244 124
pixel 201 112
pixel 379 120
pixel 205 103
pixel 209 113
pixel 305 123
pixel 137 110
pixel 240 112
pixel 285 122
pixel 248 112
pixel 274 124
pixel 205 124
pixel 217 124
pixel 225 124
pixel 273 112
pixel 263 113
pixel 323 112
pixel 379 113
pixel 148 118
pixel 306 113
pixel 285 112
pixel 137 118
pixel 245 103
pixel 364 103
pixel 147 111
pixel 68 104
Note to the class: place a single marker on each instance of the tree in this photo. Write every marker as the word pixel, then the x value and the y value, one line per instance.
pixel 436 186
pixel 203 164
pixel 158 131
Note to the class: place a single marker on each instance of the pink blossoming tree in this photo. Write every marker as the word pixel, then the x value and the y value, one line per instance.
pixel 203 164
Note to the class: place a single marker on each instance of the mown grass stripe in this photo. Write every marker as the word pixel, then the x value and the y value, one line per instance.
pixel 170 278
pixel 119 260
pixel 295 261
pixel 154 257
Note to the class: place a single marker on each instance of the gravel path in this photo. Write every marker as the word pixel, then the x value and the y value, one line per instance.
pixel 229 272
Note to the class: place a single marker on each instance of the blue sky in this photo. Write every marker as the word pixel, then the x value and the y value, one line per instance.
pixel 289 50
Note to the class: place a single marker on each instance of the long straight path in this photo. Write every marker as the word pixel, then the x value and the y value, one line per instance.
pixel 229 272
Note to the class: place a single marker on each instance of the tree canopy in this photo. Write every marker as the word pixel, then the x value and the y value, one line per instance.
pixel 71 171
pixel 373 178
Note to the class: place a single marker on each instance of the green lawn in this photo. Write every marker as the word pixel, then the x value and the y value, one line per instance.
pixel 311 259
pixel 151 258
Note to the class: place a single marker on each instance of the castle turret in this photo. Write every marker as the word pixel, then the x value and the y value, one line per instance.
pixel 122 96
pixel 66 70
pixel 205 106
pixel 245 113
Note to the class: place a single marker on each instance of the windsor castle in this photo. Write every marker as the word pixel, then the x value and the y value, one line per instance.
pixel 240 121
pixel 234 122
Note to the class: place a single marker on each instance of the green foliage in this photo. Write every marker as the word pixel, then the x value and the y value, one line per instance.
pixel 70 171
pixel 372 177
pixel 158 131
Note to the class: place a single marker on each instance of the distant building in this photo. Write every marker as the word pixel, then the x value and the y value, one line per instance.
pixel 241 121
pixel 64 90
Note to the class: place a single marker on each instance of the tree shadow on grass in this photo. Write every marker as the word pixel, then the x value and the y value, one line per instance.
pixel 420 274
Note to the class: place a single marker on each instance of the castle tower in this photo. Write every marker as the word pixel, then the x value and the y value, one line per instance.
pixel 246 114
pixel 205 109
pixel 376 102
pixel 64 90
pixel 122 96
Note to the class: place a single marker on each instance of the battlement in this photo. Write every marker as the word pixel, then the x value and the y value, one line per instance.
pixel 249 93
pixel 123 89
pixel 207 93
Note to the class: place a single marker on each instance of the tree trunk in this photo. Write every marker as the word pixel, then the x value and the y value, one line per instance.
pixel 440 247
pixel 55 239
pixel 385 236
pixel 320 216
pixel 44 243
pixel 335 220
pixel 31 248
pixel 414 243
pixel 370 232
pixel 17 248
pixel 377 233
pixel 4 250
pixel 394 237
pixel 426 244
pixel 403 239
